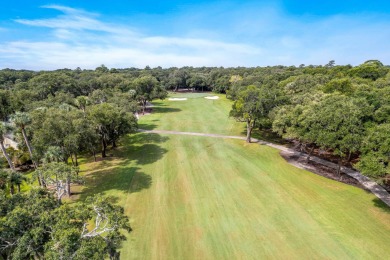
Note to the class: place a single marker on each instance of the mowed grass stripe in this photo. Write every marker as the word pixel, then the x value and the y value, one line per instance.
pixel 256 213
pixel 193 115
pixel 244 203
pixel 286 207
pixel 212 198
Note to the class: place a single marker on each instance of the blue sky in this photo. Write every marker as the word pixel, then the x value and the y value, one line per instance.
pixel 68 34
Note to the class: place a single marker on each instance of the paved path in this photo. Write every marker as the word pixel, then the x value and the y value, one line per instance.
pixel 378 190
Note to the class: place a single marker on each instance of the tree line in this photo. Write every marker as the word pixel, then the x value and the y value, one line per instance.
pixel 342 110
pixel 53 125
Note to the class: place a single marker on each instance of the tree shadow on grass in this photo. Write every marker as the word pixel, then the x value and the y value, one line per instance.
pixel 266 135
pixel 147 126
pixel 160 107
pixel 123 171
pixel 380 204
pixel 163 109
pixel 124 179
pixel 144 138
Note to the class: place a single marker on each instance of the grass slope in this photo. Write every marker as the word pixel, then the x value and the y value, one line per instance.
pixel 192 197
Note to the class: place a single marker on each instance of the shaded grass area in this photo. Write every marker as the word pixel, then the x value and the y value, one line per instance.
pixel 253 205
pixel 267 135
pixel 122 172
pixel 192 197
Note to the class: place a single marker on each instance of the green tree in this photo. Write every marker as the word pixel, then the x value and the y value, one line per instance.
pixel 375 158
pixel 177 79
pixel 6 106
pixel 335 123
pixel 34 226
pixel 48 83
pixel 53 154
pixel 288 124
pixel 148 88
pixel 371 69
pixel 21 120
pixel 197 81
pixel 15 178
pixel 254 105
pixel 111 123
pixel 3 179
pixel 343 86
pixel 81 102
pixel 59 176
pixel 3 131
pixel 64 127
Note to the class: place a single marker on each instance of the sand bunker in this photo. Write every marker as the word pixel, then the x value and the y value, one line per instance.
pixel 213 97
pixel 177 99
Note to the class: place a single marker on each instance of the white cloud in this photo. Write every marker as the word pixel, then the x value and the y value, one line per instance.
pixel 74 19
pixel 78 38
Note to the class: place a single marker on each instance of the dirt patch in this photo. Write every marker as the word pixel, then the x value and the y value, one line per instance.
pixel 319 169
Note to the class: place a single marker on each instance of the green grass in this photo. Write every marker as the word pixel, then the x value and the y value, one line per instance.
pixel 196 114
pixel 191 197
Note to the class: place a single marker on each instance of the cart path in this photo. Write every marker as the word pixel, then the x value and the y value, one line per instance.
pixel 376 189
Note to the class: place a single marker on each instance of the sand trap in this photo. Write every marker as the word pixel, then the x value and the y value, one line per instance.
pixel 177 99
pixel 213 97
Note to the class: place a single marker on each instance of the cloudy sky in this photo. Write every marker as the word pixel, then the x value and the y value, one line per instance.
pixel 68 34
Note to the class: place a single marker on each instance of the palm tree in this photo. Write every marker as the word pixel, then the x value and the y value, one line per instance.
pixel 15 178
pixel 3 130
pixel 82 102
pixel 3 179
pixel 53 154
pixel 21 120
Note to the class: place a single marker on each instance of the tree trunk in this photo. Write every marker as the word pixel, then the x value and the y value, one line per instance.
pixel 339 168
pixel 104 147
pixel 4 255
pixel 299 147
pixel 143 106
pixel 29 148
pixel 76 160
pixel 94 155
pixel 309 154
pixel 71 158
pixel 113 144
pixel 18 188
pixel 249 128
pixel 68 187
pixel 11 165
pixel 40 181
pixel 349 156
pixel 12 189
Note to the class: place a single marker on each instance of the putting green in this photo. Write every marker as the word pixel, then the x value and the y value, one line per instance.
pixel 192 197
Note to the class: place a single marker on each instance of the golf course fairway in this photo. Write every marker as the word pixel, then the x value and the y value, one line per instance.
pixel 196 197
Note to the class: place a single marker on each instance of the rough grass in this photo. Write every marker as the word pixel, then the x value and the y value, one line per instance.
pixel 191 197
